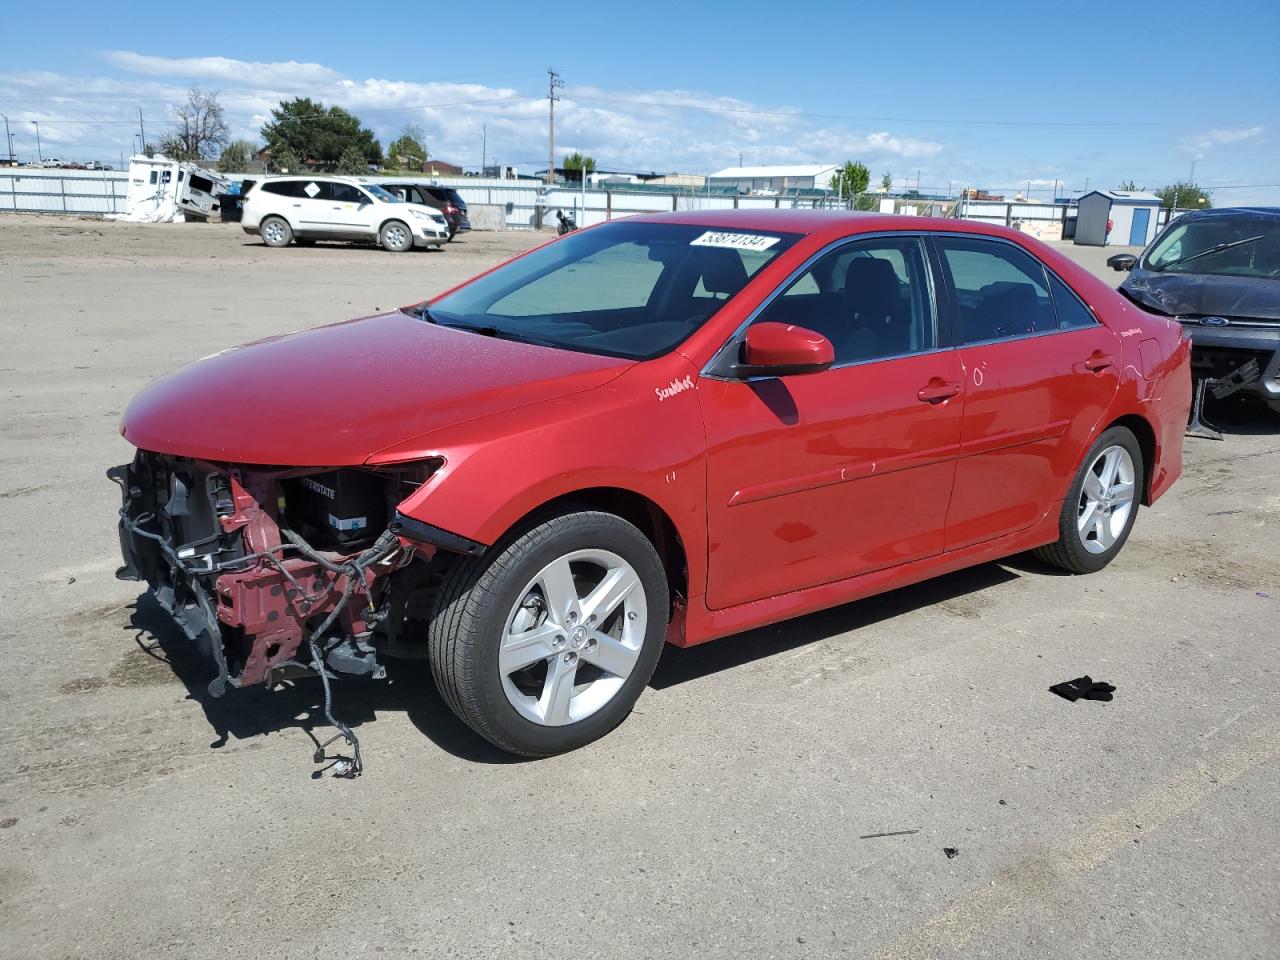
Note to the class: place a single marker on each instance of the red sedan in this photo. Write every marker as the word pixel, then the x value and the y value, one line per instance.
pixel 665 429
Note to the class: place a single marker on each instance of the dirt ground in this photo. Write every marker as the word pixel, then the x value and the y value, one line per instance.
pixel 735 814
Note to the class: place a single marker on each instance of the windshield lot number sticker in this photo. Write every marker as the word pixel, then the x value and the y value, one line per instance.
pixel 734 241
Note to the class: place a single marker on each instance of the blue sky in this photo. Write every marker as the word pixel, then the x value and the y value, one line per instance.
pixel 986 94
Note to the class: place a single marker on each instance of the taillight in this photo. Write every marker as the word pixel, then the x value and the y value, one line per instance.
pixel 450 208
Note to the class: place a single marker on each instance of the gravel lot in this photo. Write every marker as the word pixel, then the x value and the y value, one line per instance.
pixel 729 817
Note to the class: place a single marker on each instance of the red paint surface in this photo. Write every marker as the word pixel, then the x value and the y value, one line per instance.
pixel 788 495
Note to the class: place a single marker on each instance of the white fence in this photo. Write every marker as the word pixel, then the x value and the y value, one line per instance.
pixel 526 203
pixel 33 190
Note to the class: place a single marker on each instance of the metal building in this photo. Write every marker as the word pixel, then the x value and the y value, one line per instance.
pixel 1111 217
pixel 776 180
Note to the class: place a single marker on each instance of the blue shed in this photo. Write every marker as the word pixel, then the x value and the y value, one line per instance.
pixel 1132 215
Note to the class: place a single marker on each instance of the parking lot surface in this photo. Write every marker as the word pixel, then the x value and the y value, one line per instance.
pixel 785 793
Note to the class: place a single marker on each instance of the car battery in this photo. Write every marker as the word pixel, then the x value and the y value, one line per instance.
pixel 345 505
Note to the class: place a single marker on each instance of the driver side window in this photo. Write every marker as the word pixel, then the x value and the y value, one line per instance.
pixel 346 193
pixel 870 298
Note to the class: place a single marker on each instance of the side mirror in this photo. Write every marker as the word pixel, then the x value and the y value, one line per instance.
pixel 780 349
pixel 1122 262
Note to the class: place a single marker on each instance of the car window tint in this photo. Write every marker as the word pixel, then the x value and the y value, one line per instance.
pixel 749 260
pixel 282 188
pixel 870 299
pixel 346 193
pixel 1000 290
pixel 1071 311
pixel 615 278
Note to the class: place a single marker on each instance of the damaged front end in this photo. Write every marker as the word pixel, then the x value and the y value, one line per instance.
pixel 276 572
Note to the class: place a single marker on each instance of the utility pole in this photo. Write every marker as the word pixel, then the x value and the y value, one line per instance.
pixel 739 158
pixel 142 134
pixel 1192 177
pixel 484 145
pixel 39 151
pixel 8 138
pixel 554 83
pixel 917 181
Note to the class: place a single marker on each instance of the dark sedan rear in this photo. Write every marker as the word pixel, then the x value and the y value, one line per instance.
pixel 1218 273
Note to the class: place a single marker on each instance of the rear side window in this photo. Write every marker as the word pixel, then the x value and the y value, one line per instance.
pixel 1071 311
pixel 283 188
pixel 1001 291
pixel 201 183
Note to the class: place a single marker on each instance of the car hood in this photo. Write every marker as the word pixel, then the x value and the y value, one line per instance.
pixel 1203 294
pixel 335 395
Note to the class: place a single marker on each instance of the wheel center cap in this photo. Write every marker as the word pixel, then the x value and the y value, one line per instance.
pixel 578 637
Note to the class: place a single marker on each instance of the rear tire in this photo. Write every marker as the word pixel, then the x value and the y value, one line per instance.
pixel 545 643
pixel 276 232
pixel 1100 507
pixel 395 237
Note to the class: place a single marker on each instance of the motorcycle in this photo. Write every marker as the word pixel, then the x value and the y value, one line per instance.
pixel 567 223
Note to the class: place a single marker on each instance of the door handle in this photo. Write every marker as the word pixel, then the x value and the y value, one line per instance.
pixel 1099 361
pixel 937 390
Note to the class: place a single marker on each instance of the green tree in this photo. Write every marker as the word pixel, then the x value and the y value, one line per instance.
pixel 318 135
pixel 284 160
pixel 410 150
pixel 353 162
pixel 851 180
pixel 236 156
pixel 886 182
pixel 1184 196
pixel 579 164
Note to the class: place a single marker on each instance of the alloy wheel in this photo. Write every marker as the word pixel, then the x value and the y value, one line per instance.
pixel 1106 499
pixel 573 637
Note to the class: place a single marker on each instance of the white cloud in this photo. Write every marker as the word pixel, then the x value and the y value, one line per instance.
pixel 661 129
pixel 224 70
pixel 1206 140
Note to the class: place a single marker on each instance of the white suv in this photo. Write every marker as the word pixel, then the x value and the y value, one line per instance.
pixel 282 209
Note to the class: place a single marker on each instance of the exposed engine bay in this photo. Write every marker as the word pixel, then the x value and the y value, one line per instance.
pixel 280 573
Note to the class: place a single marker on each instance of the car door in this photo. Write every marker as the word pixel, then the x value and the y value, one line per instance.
pixel 818 477
pixel 1039 372
pixel 353 211
pixel 310 204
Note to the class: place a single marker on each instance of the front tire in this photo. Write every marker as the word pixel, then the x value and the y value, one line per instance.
pixel 545 643
pixel 276 232
pixel 1100 508
pixel 395 237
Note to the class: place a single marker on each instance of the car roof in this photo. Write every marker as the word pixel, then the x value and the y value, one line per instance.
pixel 827 222
pixel 1253 213
pixel 339 178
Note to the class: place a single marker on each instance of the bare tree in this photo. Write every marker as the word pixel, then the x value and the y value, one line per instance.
pixel 199 129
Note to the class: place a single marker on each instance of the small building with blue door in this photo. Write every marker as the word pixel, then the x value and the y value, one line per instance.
pixel 1132 217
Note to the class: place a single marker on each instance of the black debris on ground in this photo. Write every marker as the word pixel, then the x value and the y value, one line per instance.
pixel 1083 688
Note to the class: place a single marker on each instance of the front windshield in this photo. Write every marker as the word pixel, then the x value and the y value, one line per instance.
pixel 1254 249
pixel 383 195
pixel 632 290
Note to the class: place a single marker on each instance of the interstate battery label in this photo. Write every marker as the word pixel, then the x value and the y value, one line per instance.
pixel 734 241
